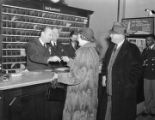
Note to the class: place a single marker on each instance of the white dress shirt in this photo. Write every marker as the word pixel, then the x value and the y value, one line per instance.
pixel 120 44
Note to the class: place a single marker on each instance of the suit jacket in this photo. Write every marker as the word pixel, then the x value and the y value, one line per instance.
pixel 126 71
pixel 37 56
pixel 63 49
pixel 149 63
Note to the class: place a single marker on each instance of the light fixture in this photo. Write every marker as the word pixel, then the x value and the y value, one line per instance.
pixel 150 12
pixel 55 1
pixel 60 2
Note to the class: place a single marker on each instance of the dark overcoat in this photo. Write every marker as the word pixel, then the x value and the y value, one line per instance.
pixel 126 71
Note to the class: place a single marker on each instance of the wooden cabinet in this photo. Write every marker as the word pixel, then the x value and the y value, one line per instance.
pixel 27 103
pixel 22 21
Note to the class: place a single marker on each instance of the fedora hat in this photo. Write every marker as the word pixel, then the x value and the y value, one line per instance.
pixel 88 34
pixel 118 28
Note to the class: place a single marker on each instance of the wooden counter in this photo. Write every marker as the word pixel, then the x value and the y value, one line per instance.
pixel 24 96
pixel 26 79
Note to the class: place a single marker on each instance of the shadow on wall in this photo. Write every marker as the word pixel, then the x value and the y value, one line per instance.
pixel 102 44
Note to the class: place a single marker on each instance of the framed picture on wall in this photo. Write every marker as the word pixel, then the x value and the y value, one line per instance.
pixel 140 42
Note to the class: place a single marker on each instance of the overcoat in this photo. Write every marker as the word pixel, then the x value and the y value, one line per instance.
pixel 126 71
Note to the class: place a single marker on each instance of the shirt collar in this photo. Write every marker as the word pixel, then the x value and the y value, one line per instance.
pixel 120 44
pixel 53 43
pixel 42 43
pixel 152 46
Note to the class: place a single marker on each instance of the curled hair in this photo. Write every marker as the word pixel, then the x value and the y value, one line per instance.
pixel 73 33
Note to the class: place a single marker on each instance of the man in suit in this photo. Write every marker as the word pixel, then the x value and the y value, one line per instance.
pixel 72 45
pixel 122 67
pixel 149 75
pixel 74 39
pixel 63 49
pixel 39 55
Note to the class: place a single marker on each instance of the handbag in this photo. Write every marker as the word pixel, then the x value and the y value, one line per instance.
pixel 57 92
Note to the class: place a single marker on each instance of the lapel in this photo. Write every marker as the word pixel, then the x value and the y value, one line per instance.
pixel 41 48
pixel 153 47
pixel 39 44
pixel 108 53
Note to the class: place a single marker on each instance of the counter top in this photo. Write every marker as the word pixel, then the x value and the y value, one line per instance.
pixel 26 79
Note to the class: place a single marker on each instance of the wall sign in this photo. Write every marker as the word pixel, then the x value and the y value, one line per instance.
pixel 48 8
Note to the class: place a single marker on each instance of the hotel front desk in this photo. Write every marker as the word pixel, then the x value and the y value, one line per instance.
pixel 23 96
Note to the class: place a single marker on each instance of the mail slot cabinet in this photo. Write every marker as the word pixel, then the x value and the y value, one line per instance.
pixel 22 21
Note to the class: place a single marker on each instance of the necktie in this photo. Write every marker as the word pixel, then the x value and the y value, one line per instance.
pixel 115 48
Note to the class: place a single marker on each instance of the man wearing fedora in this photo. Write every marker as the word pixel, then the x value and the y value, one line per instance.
pixel 121 71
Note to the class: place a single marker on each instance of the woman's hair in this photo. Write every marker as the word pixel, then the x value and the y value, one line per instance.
pixel 73 33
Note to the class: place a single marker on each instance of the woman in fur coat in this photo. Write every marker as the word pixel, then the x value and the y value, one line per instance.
pixel 81 101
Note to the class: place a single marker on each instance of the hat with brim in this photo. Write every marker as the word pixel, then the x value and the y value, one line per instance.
pixel 88 34
pixel 118 28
